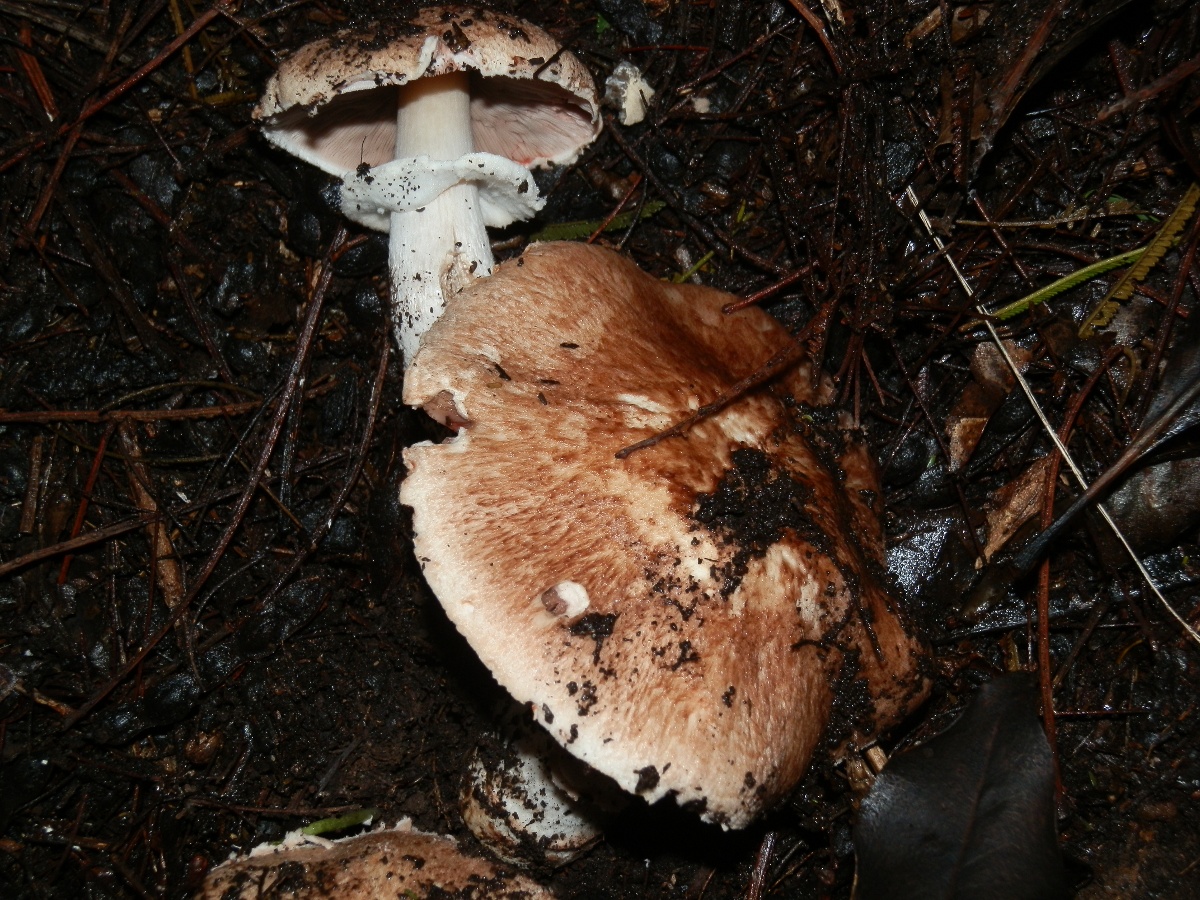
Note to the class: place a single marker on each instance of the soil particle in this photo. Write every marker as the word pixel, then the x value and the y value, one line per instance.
pixel 752 505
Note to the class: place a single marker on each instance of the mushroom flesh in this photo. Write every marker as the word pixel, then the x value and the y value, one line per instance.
pixel 534 803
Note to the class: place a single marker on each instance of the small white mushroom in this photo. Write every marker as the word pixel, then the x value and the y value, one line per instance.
pixel 536 804
pixel 432 124
pixel 382 865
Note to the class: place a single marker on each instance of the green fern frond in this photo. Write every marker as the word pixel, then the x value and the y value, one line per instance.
pixel 1154 251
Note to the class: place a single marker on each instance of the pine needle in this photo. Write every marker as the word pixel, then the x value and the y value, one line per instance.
pixel 681 277
pixel 1154 251
pixel 573 231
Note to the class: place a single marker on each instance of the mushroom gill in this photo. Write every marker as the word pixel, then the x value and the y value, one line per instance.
pixel 727 608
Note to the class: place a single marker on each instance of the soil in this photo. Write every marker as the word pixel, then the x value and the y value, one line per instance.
pixel 212 628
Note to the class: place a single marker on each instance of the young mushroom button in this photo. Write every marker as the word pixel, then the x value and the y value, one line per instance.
pixel 534 804
pixel 432 124
pixel 691 619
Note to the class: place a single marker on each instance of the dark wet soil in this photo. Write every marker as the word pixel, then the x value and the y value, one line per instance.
pixel 190 665
pixel 751 507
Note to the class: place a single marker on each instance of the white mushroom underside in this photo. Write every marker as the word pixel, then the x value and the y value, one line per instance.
pixel 507 192
pixel 367 104
pixel 437 212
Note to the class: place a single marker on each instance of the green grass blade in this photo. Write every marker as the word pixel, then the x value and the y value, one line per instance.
pixel 1054 288
pixel 681 277
pixel 1154 251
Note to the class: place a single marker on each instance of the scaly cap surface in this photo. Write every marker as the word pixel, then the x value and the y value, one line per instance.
pixel 382 865
pixel 329 102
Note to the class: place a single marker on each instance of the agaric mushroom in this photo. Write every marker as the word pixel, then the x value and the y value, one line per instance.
pixel 691 620
pixel 432 124
pixel 399 862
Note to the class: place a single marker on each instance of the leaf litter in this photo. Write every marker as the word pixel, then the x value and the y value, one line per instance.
pixel 157 271
pixel 968 813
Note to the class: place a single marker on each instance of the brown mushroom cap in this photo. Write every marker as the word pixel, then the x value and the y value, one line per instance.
pixel 384 864
pixel 685 619
pixel 330 102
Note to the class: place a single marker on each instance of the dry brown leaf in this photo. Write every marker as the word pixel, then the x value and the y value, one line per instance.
pixel 1014 505
pixel 982 397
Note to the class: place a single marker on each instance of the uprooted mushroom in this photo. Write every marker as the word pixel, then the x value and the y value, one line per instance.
pixel 432 124
pixel 692 619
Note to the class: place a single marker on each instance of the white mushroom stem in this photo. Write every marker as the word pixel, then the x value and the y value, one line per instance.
pixel 435 250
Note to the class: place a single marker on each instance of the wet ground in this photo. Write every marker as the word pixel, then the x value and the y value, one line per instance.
pixel 190 665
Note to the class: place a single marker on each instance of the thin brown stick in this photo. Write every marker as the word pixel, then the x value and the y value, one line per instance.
pixel 819 27
pixel 88 487
pixel 149 333
pixel 123 88
pixel 201 323
pixel 60 165
pixel 34 75
pixel 714 237
pixel 103 416
pixel 109 531
pixel 168 571
pixel 637 180
pixel 33 485
pixel 1167 322
pixel 764 293
pixel 299 812
pixel 155 211
pixel 1045 676
pixel 1153 89
pixel 762 864
pixel 1012 81
pixel 343 494
pixel 84 540
pixel 687 87
pixel 782 360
